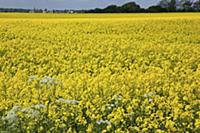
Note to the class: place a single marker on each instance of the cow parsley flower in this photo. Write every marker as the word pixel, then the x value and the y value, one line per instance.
pixel 31 113
pixel 48 80
pixel 149 94
pixel 39 106
pixel 103 122
pixel 61 100
pixel 32 78
pixel 11 116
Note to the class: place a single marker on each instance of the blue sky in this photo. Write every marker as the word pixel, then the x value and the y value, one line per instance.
pixel 68 4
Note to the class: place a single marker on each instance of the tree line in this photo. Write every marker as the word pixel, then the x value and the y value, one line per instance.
pixel 14 10
pixel 162 6
pixel 130 7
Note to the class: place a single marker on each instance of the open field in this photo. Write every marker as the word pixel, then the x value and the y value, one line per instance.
pixel 100 72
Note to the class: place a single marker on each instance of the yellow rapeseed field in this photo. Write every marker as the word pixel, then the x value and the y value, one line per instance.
pixel 99 73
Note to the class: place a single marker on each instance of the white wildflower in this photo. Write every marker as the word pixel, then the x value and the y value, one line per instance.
pixel 32 78
pixel 103 122
pixel 25 110
pixel 39 106
pixel 149 94
pixel 150 100
pixel 34 113
pixel 11 116
pixel 61 100
pixel 112 105
pixel 48 80
pixel 31 113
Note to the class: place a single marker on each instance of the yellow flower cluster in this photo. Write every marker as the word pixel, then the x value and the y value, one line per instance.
pixel 100 73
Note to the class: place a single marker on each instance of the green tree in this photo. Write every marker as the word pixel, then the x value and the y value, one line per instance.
pixel 156 9
pixel 186 5
pixel 196 5
pixel 169 5
pixel 172 5
pixel 130 7
pixel 112 9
